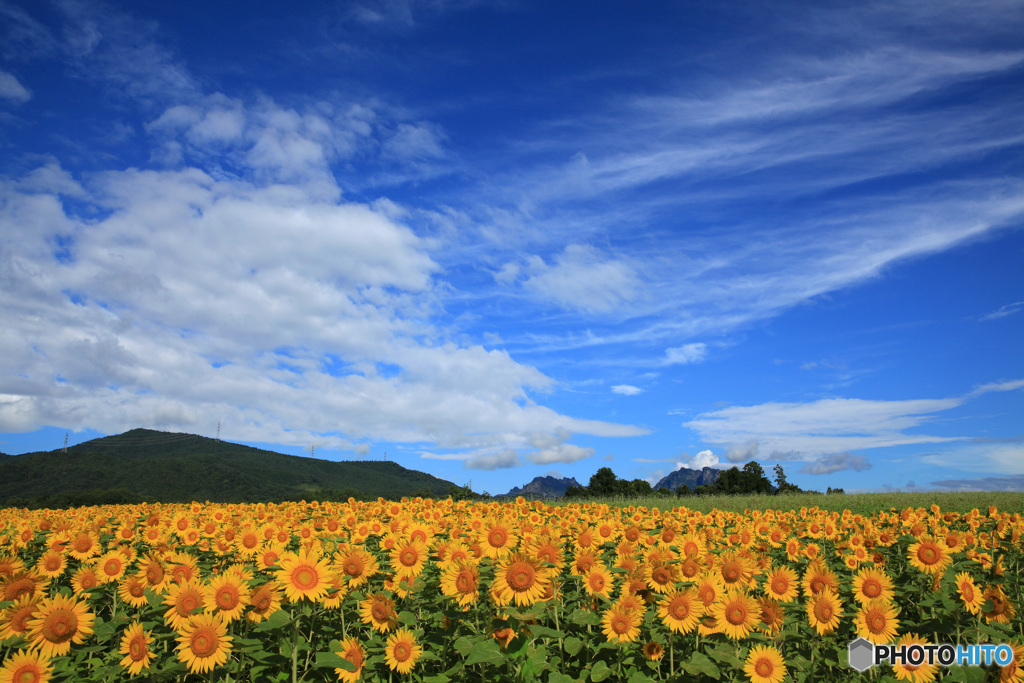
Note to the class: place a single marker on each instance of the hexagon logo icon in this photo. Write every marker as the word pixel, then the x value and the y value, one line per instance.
pixel 861 654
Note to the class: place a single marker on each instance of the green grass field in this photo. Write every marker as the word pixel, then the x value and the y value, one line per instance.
pixel 858 503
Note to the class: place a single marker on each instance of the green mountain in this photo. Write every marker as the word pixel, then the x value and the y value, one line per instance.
pixel 147 465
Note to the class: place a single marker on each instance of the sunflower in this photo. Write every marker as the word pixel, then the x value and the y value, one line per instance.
pixel 153 570
pixel 653 651
pixel 183 600
pixel 709 588
pixel 378 611
pixel 498 539
pixel 765 665
pixel 549 550
pixel 203 643
pixel 818 577
pixel 304 575
pixel 681 610
pixel 620 624
pixel 85 545
pixel 823 611
pixel 132 590
pixel 227 595
pixel 520 578
pixel 408 558
pixel 661 577
pixel 772 616
pixel 14 619
pixel 870 584
pixel 26 667
pixel 876 621
pixel 402 651
pixel 1002 610
pixel 1014 671
pixel 356 565
pixel 264 601
pixel 781 584
pixel 51 564
pixel 135 647
pixel 969 593
pixel 462 582
pixel 929 556
pixel 84 580
pixel 110 566
pixel 599 582
pixel 336 592
pixel 22 583
pixel 737 613
pixel 921 673
pixel 57 623
pixel 353 651
pixel 734 569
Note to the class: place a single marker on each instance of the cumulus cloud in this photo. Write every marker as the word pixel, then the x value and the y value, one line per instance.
pixel 688 353
pixel 186 299
pixel 836 462
pixel 705 458
pixel 583 279
pixel 626 390
pixel 505 458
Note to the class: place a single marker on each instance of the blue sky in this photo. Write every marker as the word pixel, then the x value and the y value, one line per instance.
pixel 506 239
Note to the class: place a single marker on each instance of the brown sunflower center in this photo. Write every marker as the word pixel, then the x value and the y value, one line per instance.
pixel 305 578
pixel 679 609
pixel 736 615
pixel 112 567
pixel 227 597
pixel 871 588
pixel 353 566
pixel 188 602
pixel 380 611
pixel 875 622
pixel 497 537
pixel 521 576
pixel 60 626
pixel 661 575
pixel 409 557
pixel 261 600
pixel 764 667
pixel 465 583
pixel 136 589
pixel 596 582
pixel 204 642
pixel 137 649
pixel 731 573
pixel 620 624
pixel 928 555
pixel 780 585
pixel 823 611
pixel 402 651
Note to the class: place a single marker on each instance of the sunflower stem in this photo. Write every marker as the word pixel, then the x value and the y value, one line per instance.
pixel 295 649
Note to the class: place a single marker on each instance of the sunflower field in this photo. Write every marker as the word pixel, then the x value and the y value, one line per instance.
pixel 438 591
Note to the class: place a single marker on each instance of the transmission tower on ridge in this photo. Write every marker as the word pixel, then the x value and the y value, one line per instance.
pixel 218 430
pixel 65 442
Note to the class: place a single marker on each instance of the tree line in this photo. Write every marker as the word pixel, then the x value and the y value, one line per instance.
pixel 733 481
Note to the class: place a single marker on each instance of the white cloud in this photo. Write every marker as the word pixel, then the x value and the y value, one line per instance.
pixel 819 428
pixel 688 353
pixel 626 390
pixel 1005 311
pixel 289 318
pixel 508 457
pixel 705 458
pixel 12 89
pixel 836 462
pixel 583 279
